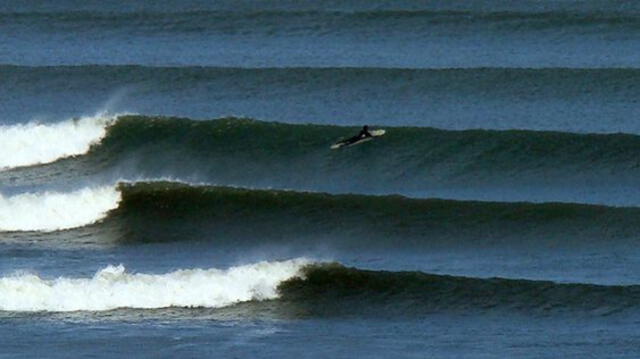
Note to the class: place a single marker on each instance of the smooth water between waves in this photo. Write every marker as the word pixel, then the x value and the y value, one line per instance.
pixel 167 186
pixel 429 38
pixel 555 99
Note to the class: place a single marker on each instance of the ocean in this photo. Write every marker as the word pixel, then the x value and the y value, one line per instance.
pixel 167 187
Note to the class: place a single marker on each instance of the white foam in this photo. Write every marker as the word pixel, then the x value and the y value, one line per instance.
pixel 113 288
pixel 52 211
pixel 35 143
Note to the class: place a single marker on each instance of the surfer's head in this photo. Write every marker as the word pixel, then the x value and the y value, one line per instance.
pixel 366 128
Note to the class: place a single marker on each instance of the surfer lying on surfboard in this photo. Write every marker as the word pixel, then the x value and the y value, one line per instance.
pixel 364 132
pixel 363 136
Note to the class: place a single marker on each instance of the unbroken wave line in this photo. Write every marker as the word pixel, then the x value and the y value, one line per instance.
pixel 332 289
pixel 202 20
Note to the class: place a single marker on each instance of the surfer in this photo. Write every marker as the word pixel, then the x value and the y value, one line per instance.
pixel 362 136
pixel 364 133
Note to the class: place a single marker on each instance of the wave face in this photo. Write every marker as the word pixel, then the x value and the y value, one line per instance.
pixel 326 290
pixel 243 218
pixel 112 287
pixel 35 143
pixel 423 161
pixel 296 288
pixel 172 211
pixel 569 100
pixel 53 211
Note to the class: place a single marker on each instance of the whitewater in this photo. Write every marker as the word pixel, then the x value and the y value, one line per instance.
pixel 425 162
pixel 53 211
pixel 167 187
pixel 36 143
pixel 112 287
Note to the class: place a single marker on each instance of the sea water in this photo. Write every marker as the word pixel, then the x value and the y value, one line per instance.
pixel 167 187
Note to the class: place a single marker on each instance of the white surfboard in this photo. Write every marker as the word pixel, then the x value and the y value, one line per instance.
pixel 351 141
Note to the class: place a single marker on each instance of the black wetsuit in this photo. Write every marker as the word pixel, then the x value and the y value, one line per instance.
pixel 364 133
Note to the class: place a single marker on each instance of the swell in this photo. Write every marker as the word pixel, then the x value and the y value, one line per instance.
pixel 273 38
pixel 509 84
pixel 589 6
pixel 173 211
pixel 249 153
pixel 332 289
pixel 295 288
pixel 559 99
pixel 237 218
pixel 279 22
pixel 345 5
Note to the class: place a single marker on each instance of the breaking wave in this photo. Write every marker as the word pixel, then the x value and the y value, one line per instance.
pixel 246 218
pixel 36 143
pixel 52 211
pixel 113 287
pixel 300 288
pixel 407 160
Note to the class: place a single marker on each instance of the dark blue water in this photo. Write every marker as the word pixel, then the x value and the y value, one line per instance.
pixel 194 228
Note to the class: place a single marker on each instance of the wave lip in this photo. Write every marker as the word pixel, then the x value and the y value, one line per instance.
pixel 53 211
pixel 112 287
pixel 35 143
